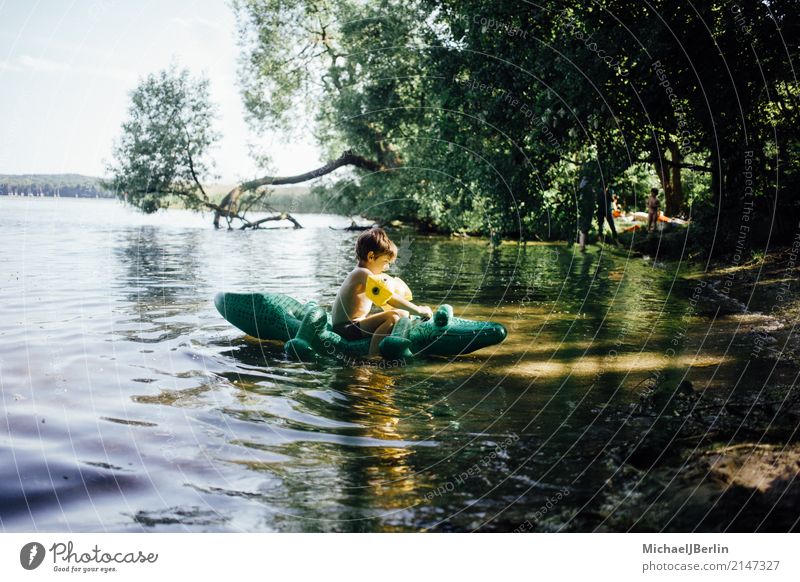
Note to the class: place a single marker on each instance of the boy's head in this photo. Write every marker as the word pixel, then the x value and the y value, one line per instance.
pixel 375 249
pixel 654 192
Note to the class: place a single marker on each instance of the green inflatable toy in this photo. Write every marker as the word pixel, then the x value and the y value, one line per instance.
pixel 306 329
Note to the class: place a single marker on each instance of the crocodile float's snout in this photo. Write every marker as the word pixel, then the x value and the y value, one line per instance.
pixel 489 334
pixel 449 335
pixel 477 336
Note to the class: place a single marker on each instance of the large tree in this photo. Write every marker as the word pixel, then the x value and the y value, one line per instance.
pixel 163 147
pixel 483 111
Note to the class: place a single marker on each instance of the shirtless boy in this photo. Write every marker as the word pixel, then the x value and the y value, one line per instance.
pixel 350 314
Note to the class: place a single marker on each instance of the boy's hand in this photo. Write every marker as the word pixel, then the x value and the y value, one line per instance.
pixel 424 312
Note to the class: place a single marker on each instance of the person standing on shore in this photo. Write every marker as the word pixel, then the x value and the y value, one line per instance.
pixel 652 210
pixel 605 213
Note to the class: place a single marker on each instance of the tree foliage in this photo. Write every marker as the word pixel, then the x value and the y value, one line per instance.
pixel 163 148
pixel 484 115
pixel 162 154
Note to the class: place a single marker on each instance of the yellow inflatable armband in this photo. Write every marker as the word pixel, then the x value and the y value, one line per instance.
pixel 378 289
pixel 398 287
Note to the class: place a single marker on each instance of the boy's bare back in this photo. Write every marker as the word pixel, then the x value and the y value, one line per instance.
pixel 352 303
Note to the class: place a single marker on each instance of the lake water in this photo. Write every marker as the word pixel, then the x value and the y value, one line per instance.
pixel 129 404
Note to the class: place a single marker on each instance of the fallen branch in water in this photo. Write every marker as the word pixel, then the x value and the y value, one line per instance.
pixel 281 216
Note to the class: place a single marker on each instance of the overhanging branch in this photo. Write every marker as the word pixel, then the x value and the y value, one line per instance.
pixel 348 158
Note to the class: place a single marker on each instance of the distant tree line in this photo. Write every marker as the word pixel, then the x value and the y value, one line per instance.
pixel 64 185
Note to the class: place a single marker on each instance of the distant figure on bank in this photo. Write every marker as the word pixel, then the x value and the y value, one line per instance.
pixel 605 212
pixel 652 209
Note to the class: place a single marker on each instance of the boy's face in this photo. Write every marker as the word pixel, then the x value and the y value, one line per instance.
pixel 380 263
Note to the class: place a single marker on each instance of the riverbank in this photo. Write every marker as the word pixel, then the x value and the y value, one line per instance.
pixel 715 447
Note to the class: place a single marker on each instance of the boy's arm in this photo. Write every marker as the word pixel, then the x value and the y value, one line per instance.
pixel 360 280
pixel 380 294
pixel 401 303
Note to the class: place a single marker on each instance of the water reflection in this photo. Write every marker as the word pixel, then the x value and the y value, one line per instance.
pixel 161 272
pixel 379 478
pixel 158 268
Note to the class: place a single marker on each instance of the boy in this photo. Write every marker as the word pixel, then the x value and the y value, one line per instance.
pixel 652 209
pixel 350 314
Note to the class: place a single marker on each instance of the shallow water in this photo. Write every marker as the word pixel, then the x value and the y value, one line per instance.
pixel 129 404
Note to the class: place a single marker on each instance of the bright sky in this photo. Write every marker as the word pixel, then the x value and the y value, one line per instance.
pixel 67 68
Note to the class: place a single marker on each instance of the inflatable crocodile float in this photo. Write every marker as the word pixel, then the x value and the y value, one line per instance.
pixel 306 329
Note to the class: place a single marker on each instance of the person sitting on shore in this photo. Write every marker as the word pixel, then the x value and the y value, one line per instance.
pixel 364 286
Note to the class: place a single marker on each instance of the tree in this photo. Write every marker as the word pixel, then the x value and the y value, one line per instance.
pixel 163 149
pixel 476 115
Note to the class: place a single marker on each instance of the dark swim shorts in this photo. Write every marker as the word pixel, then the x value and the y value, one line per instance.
pixel 349 331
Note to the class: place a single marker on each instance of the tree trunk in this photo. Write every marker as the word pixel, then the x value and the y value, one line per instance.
pixel 675 198
pixel 716 185
pixel 669 174
pixel 664 175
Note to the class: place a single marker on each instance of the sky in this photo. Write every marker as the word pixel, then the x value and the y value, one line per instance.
pixel 67 69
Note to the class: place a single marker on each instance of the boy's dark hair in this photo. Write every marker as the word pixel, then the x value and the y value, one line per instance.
pixel 654 191
pixel 375 240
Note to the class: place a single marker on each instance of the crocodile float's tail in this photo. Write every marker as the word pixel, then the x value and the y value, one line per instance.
pixel 269 316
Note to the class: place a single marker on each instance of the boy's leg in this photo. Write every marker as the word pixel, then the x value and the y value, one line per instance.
pixel 378 326
pixel 380 333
